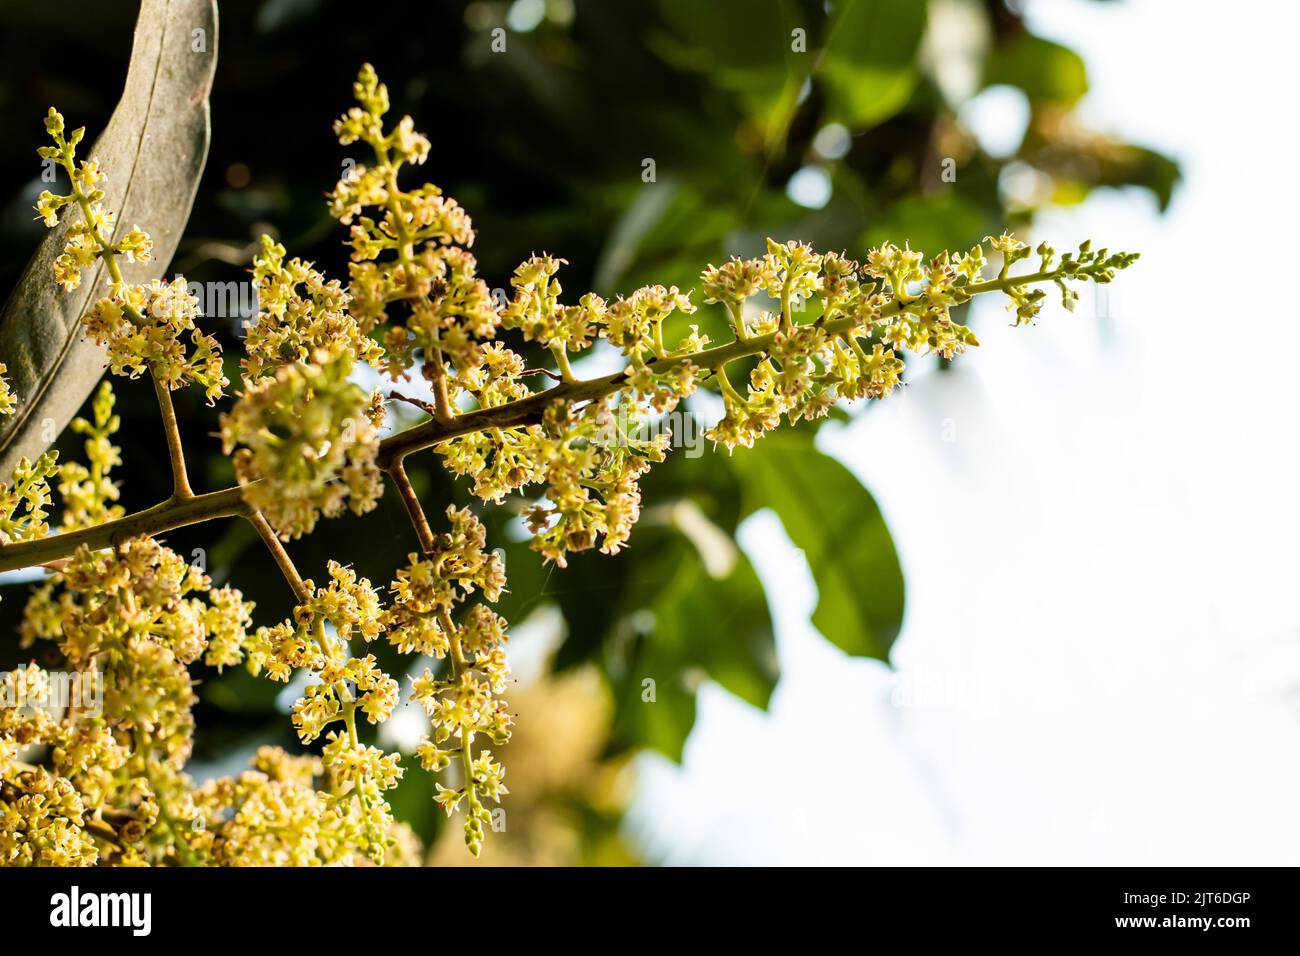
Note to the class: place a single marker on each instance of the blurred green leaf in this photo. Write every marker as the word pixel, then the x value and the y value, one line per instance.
pixel 642 214
pixel 740 44
pixel 869 59
pixel 721 624
pixel 678 624
pixel 833 519
pixel 745 48
pixel 1043 69
pixel 1149 169
pixel 653 705
pixel 412 801
pixel 931 223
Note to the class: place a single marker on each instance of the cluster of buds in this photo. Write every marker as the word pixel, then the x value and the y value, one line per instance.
pixel 304 442
pixel 86 239
pixel 318 639
pixel 140 325
pixel 411 249
pixel 462 700
pixel 300 313
pixel 87 491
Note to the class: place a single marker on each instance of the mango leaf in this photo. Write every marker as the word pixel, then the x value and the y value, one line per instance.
pixel 746 48
pixel 721 625
pixel 833 519
pixel 681 623
pixel 869 59
pixel 654 708
pixel 942 221
pixel 152 152
pixel 1044 70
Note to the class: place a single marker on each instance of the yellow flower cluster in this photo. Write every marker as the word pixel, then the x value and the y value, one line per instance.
pixel 304 442
pixel 129 616
pixel 861 318
pixel 410 250
pixel 592 493
pixel 463 703
pixel 141 325
pixel 132 619
pixel 8 400
pixel 135 614
pixel 41 814
pixel 43 823
pixel 87 491
pixel 294 325
pixel 25 498
pixel 317 639
pixel 275 815
pixel 498 461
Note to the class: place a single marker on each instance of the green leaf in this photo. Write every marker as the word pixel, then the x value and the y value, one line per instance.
pixel 1046 71
pixel 152 151
pixel 678 625
pixel 746 48
pixel 721 625
pixel 833 519
pixel 869 59
pixel 741 45
pixel 654 708
pixel 932 223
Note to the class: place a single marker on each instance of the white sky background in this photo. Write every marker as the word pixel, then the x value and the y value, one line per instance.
pixel 1101 656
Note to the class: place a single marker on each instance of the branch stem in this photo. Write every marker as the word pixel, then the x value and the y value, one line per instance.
pixel 180 479
pixel 281 556
pixel 413 508
pixel 164 516
pixel 178 512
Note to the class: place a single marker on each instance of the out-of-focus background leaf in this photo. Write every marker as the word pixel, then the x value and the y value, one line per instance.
pixel 844 135
pixel 833 520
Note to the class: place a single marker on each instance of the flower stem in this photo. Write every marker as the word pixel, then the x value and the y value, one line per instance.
pixel 281 556
pixel 562 362
pixel 180 479
pixel 177 513
pixel 413 509
pixel 458 667
pixel 165 516
pixel 443 411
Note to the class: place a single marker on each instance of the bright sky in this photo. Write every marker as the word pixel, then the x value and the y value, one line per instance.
pixel 1102 649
